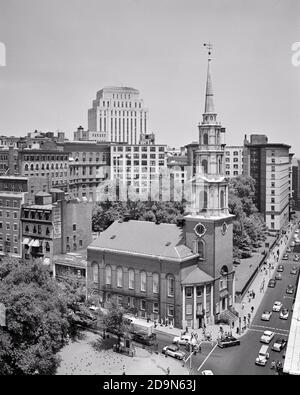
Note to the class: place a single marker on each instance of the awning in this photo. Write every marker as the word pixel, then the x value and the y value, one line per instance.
pixel 26 241
pixel 36 243
pixel 31 242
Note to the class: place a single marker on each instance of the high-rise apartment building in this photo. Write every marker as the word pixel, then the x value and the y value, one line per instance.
pixel 234 160
pixel 270 166
pixel 119 113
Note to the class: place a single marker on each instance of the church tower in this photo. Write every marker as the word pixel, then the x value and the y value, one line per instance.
pixel 208 227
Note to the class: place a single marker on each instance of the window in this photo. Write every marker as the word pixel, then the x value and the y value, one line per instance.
pixel 95 271
pixel 143 281
pixel 15 227
pixel 74 227
pixel 119 277
pixel 189 292
pixel 7 226
pixel 119 300
pixel 47 247
pixel 171 285
pixel 155 307
pixel 131 279
pixel 155 283
pixel 171 311
pixel 7 214
pixel 108 275
pixel 143 305
pixel 199 291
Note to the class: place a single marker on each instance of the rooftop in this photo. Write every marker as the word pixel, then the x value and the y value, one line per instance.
pixel 74 259
pixel 144 238
pixel 193 275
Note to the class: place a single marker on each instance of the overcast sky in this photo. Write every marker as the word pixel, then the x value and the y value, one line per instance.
pixel 60 52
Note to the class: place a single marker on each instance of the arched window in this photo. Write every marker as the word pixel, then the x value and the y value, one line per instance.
pixel 223 278
pixel 108 275
pixel 220 166
pixel 171 285
pixel 203 200
pixel 155 283
pixel 143 281
pixel 26 167
pixel 201 249
pixel 95 270
pixel 31 167
pixel 131 279
pixel 222 199
pixel 47 246
pixel 37 167
pixel 43 166
pixel 120 277
pixel 204 166
pixel 205 139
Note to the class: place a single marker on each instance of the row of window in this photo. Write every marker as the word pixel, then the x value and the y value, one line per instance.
pixel 34 158
pixel 15 226
pixel 144 148
pixel 8 238
pixel 10 203
pixel 44 166
pixel 7 214
pixel 132 279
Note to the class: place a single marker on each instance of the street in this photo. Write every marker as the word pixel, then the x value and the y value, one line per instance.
pixel 241 360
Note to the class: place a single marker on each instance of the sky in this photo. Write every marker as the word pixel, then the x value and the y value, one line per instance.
pixel 59 53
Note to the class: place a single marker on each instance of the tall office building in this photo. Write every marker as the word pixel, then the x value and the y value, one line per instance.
pixel 119 113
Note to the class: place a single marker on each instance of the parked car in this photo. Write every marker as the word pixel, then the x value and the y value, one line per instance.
pixel 277 306
pixel 267 337
pixel 296 258
pixel 266 315
pixel 279 344
pixel 293 244
pixel 294 270
pixel 284 314
pixel 143 338
pixel 280 268
pixel 182 340
pixel 285 257
pixel 228 341
pixel 278 276
pixel 173 351
pixel 289 249
pixel 272 283
pixel 236 261
pixel 290 289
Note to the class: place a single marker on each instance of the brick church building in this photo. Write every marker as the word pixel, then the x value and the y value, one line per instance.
pixel 180 273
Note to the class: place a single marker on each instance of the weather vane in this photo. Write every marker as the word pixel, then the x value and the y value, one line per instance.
pixel 209 49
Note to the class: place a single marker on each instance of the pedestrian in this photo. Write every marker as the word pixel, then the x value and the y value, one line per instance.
pixel 168 371
pixel 253 295
pixel 243 305
pixel 186 330
pixel 252 309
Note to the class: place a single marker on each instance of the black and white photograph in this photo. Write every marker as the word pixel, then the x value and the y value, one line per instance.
pixel 149 190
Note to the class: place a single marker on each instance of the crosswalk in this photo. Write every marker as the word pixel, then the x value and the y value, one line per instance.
pixel 262 328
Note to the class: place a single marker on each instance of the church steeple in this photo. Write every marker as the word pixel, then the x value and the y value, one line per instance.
pixel 209 97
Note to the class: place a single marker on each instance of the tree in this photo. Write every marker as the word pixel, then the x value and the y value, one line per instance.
pixel 113 320
pixel 248 226
pixel 38 317
pixel 105 213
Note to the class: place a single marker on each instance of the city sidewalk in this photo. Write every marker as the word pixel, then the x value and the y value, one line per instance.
pixel 248 307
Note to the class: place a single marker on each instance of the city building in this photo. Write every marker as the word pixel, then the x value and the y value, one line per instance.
pixel 88 135
pixel 53 225
pixel 89 166
pixel 119 113
pixel 269 165
pixel 138 168
pixel 46 160
pixel 10 213
pixel 175 273
pixel 296 183
pixel 234 160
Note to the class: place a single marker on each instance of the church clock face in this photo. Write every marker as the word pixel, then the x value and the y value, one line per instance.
pixel 200 230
